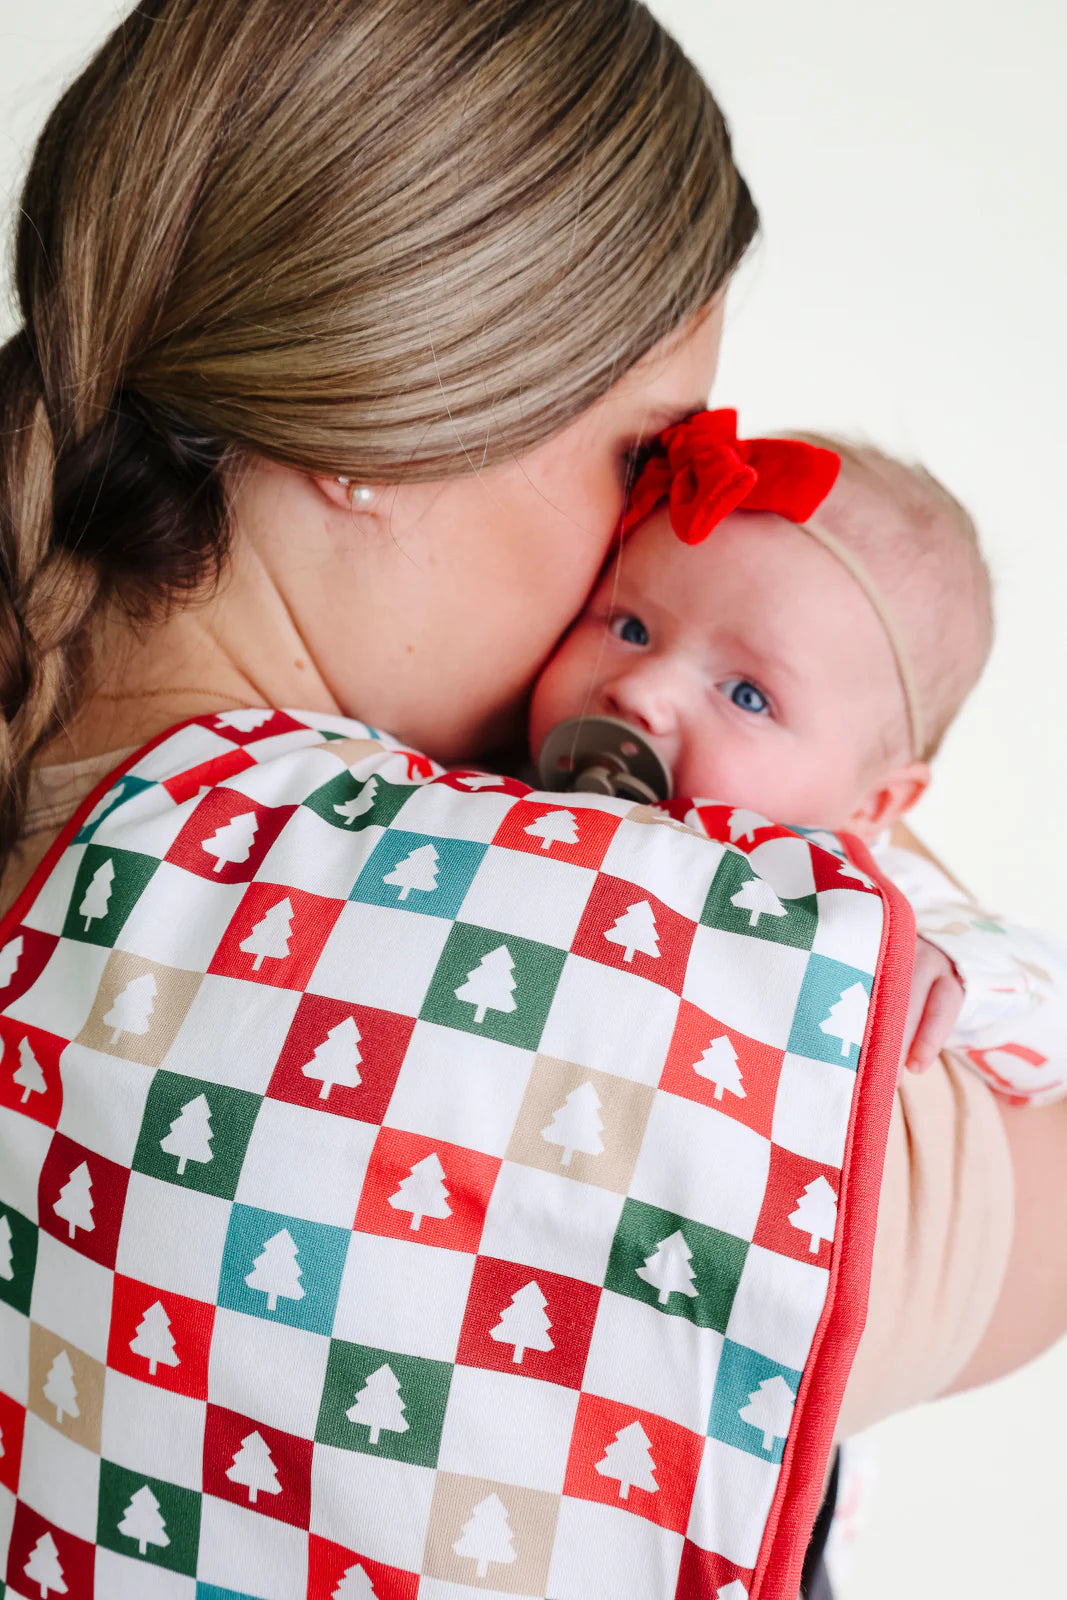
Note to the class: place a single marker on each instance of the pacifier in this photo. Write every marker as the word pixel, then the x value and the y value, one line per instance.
pixel 603 755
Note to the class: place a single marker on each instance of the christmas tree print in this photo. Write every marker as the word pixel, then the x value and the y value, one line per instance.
pixel 247 720
pixel 359 804
pixel 95 901
pixel 271 935
pixel 733 1591
pixel 555 827
pixel 770 1409
pixel 629 1460
pixel 232 842
pixel 133 1007
pixel 28 1074
pixel 636 930
pixel 423 1192
pixel 143 1521
pixel 417 871
pixel 43 1567
pixel 154 1340
pixel 75 1203
pixel 759 900
pixel 816 1213
pixel 275 1271
pixel 10 956
pixel 848 1018
pixel 190 1133
pixel 7 1269
pixel 336 1059
pixel 745 824
pixel 719 1065
pixel 59 1388
pixel 491 986
pixel 524 1323
pixel 354 1585
pixel 253 1467
pixel 477 781
pixel 667 1268
pixel 576 1126
pixel 378 1404
pixel 487 1536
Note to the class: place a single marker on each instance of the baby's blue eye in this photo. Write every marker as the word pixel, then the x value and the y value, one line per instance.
pixel 744 694
pixel 631 630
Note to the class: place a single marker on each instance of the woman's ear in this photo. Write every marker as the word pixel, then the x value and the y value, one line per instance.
pixel 345 493
pixel 887 800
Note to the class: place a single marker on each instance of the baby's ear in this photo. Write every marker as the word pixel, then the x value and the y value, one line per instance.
pixel 888 799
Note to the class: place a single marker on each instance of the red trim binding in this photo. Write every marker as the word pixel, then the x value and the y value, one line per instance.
pixel 807 1453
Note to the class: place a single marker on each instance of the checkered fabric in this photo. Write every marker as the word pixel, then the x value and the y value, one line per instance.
pixel 414 1185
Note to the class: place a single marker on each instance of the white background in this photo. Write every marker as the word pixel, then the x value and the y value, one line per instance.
pixel 910 164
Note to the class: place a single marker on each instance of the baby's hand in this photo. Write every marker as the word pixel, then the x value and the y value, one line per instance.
pixel 936 1000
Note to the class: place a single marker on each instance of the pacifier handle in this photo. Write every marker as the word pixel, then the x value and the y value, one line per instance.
pixel 603 755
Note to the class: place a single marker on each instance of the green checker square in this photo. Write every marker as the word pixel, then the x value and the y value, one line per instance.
pixel 18 1258
pixel 830 1021
pixel 683 1268
pixel 124 789
pixel 195 1133
pixel 495 985
pixel 752 1406
pixel 419 872
pixel 136 1511
pixel 383 1404
pixel 108 886
pixel 351 806
pixel 740 901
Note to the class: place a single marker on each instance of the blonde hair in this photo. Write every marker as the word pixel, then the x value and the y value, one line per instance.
pixel 398 239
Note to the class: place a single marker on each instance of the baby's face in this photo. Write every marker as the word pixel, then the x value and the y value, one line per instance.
pixel 753 663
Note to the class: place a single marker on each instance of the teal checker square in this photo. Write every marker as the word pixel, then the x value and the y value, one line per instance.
pixel 297 1265
pixel 741 901
pixel 492 984
pixel 349 805
pixel 383 1404
pixel 108 884
pixel 18 1258
pixel 831 1014
pixel 148 1519
pixel 211 1591
pixel 195 1133
pixel 419 872
pixel 752 1407
pixel 124 789
pixel 683 1268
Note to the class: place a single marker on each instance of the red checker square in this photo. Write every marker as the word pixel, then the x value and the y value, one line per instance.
pixel 721 1068
pixel 24 954
pixel 646 1464
pixel 184 785
pixel 799 1208
pixel 246 727
pixel 39 1550
pixel 702 1573
pixel 733 824
pixel 581 834
pixel 258 1467
pixel 30 1079
pixel 159 1337
pixel 629 928
pixel 536 1323
pixel 276 935
pixel 80 1197
pixel 228 836
pixel 352 1056
pixel 329 1563
pixel 426 1190
pixel 12 1426
pixel 830 872
pixel 466 782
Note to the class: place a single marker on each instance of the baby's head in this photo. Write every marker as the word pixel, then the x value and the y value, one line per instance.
pixel 757 664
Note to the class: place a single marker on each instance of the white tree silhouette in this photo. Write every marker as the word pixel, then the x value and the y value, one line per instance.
pixel 95 901
pixel 132 1009
pixel 75 1203
pixel 417 871
pixel 487 1536
pixel 491 985
pixel 719 1065
pixel 378 1404
pixel 629 1460
pixel 336 1059
pixel 232 842
pixel 423 1191
pixel 43 1567
pixel 246 720
pixel 745 824
pixel 770 1409
pixel 143 1521
pixel 7 1268
pixel 359 804
pixel 60 1389
pixel 154 1340
pixel 275 1271
pixel 354 1585
pixel 636 930
pixel 759 900
pixel 28 1074
pixel 253 1467
pixel 554 827
pixel 271 935
pixel 10 956
pixel 524 1323
pixel 477 781
pixel 575 1124
pixel 848 1017
pixel 733 1591
pixel 667 1268
pixel 816 1212
pixel 190 1133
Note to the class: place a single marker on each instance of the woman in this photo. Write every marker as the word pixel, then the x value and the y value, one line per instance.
pixel 342 323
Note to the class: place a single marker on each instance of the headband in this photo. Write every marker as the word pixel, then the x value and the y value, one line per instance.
pixel 704 472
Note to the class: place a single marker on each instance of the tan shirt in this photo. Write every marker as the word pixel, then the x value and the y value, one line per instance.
pixel 945 1219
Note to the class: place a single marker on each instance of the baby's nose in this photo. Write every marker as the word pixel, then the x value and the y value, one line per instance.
pixel 644 700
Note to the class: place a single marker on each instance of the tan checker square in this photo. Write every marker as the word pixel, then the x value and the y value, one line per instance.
pixel 569 1111
pixel 139 1008
pixel 66 1387
pixel 504 1535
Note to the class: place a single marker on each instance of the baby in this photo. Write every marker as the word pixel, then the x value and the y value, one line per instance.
pixel 806 667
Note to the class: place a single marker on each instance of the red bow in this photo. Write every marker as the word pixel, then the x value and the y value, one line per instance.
pixel 705 471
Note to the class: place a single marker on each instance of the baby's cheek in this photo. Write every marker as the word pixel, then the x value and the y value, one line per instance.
pixel 560 692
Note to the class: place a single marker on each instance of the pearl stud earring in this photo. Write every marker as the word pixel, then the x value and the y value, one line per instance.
pixel 359 494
